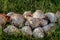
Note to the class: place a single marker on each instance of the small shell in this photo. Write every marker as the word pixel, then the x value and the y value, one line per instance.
pixel 38 32
pixel 17 20
pixel 43 22
pixel 27 14
pixel 12 30
pixel 51 16
pixel 38 14
pixel 34 22
pixel 26 30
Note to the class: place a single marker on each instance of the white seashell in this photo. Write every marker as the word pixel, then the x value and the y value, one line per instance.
pixel 27 14
pixel 12 30
pixel 26 30
pixel 51 16
pixel 34 22
pixel 38 32
pixel 38 14
pixel 10 13
pixel 43 22
pixel 17 20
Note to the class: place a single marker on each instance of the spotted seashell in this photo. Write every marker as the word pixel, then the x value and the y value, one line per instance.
pixel 38 32
pixel 34 22
pixel 38 14
pixel 17 20
pixel 27 14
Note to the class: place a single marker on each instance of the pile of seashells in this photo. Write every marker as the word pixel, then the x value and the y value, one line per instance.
pixel 34 24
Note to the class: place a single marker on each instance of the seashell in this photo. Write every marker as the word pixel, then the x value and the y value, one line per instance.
pixel 10 13
pixel 51 16
pixel 27 14
pixel 26 30
pixel 43 22
pixel 38 14
pixel 34 22
pixel 12 30
pixel 17 19
pixel 3 19
pixel 38 32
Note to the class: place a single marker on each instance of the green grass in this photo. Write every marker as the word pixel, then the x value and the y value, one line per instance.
pixel 24 5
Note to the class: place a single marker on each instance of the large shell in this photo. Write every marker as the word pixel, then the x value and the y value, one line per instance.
pixel 26 30
pixel 38 14
pixel 27 14
pixel 38 32
pixel 17 20
pixel 12 30
pixel 51 17
pixel 34 22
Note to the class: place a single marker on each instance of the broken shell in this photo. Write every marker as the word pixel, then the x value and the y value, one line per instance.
pixel 38 32
pixel 27 14
pixel 26 30
pixel 51 16
pixel 17 20
pixel 12 30
pixel 38 14
pixel 43 22
pixel 34 22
